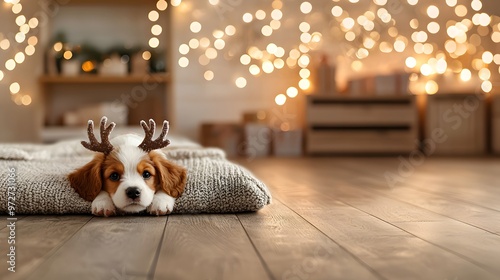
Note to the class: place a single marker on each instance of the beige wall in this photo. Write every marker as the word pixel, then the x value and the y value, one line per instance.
pixel 19 123
pixel 196 100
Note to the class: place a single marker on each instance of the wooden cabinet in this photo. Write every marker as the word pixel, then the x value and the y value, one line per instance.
pixel 372 124
pixel 461 119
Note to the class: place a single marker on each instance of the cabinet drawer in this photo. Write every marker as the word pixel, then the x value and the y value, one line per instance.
pixel 355 114
pixel 376 141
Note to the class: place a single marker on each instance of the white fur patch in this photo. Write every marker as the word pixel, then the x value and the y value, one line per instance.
pixel 103 205
pixel 162 204
pixel 130 155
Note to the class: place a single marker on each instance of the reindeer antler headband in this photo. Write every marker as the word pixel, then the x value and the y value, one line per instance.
pixel 105 147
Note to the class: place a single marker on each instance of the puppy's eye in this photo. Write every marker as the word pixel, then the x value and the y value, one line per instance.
pixel 114 176
pixel 146 175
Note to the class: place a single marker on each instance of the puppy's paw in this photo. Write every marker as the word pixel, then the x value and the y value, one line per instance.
pixel 162 204
pixel 103 205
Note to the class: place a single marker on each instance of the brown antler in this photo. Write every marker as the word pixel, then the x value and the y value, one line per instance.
pixel 148 144
pixel 105 146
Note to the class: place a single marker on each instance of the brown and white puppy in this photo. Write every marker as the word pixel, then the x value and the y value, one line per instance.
pixel 128 175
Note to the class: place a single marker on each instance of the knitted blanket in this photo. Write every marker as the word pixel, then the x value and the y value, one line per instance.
pixel 34 179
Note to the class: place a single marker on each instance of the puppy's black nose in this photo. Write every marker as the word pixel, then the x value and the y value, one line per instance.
pixel 133 192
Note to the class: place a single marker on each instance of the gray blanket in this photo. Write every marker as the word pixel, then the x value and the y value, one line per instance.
pixel 34 179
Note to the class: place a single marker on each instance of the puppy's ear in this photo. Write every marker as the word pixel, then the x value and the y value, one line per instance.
pixel 87 180
pixel 172 177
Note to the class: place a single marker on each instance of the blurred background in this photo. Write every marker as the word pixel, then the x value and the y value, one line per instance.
pixel 257 78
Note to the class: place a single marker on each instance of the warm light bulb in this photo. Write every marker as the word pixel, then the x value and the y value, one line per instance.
pixel 486 86
pixel 195 27
pixel 306 7
pixel 20 37
pixel 433 11
pixel 194 43
pixel 267 67
pixel 17 8
pixel 230 30
pixel 431 87
pixel 14 88
pixel 247 17
pixel 304 84
pixel 280 99
pixel 241 82
pixel 304 73
pixel 20 20
pixel 26 100
pixel 146 55
pixel 4 44
pixel 337 11
pixel 68 55
pixel 276 14
pixel 154 42
pixel 19 57
pixel 487 57
pixel 211 53
pixel 183 49
pixel 292 92
pixel 10 64
pixel 162 5
pixel 484 74
pixel 465 75
pixel 156 30
pixel 254 69
pixel 304 27
pixel 267 30
pixel 33 23
pixel 183 62
pixel 245 59
pixel 260 15
pixel 209 75
pixel 58 46
pixel 153 16
pixel 411 62
pixel 219 44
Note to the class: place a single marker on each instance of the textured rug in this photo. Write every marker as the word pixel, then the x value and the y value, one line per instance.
pixel 34 179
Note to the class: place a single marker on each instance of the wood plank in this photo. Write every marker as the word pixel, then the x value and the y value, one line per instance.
pixel 294 249
pixel 5 217
pixel 107 248
pixel 389 250
pixel 444 183
pixel 484 218
pixel 443 204
pixel 392 251
pixel 37 238
pixel 207 247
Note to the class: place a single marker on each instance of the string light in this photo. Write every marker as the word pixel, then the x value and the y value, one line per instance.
pixel 374 30
pixel 14 88
pixel 292 92
pixel 280 99
pixel 208 75
pixel 241 82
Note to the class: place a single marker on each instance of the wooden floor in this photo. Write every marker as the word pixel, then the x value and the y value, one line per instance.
pixel 331 218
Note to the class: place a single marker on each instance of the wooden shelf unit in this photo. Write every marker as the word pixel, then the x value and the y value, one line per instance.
pixel 361 124
pixel 96 79
pixel 146 96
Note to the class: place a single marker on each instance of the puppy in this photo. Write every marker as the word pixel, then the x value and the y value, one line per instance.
pixel 129 176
